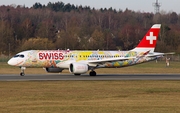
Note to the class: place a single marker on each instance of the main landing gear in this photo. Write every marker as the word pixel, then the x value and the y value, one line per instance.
pixel 92 73
pixel 22 71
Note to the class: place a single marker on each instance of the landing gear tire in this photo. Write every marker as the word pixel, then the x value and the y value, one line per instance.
pixel 92 73
pixel 77 74
pixel 22 74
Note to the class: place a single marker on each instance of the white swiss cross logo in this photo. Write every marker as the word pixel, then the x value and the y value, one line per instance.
pixel 151 38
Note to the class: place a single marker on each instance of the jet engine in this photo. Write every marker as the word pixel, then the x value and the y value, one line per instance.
pixel 78 68
pixel 54 70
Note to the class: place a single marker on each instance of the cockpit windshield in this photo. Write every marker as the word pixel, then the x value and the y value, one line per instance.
pixel 22 56
pixel 19 55
pixel 16 56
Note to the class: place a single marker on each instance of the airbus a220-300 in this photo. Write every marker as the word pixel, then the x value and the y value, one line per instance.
pixel 80 62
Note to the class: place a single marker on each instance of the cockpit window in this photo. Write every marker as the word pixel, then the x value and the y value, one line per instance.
pixel 21 56
pixel 16 56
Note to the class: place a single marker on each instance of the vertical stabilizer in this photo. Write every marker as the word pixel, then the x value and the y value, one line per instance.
pixel 148 43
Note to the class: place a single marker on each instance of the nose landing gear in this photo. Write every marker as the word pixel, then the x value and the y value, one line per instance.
pixel 22 71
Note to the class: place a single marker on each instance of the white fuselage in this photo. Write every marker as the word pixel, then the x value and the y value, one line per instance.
pixel 62 58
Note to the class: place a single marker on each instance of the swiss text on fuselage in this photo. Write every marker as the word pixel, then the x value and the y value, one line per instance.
pixel 51 56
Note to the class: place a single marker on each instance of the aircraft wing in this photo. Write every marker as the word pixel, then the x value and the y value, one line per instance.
pixel 111 60
pixel 126 58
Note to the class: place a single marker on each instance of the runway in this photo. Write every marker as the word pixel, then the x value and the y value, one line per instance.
pixel 57 77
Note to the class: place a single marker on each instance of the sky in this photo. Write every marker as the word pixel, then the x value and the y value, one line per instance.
pixel 136 5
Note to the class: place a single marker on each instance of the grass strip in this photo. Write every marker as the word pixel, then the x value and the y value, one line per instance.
pixel 90 97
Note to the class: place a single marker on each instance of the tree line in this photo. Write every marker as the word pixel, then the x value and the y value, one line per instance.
pixel 65 26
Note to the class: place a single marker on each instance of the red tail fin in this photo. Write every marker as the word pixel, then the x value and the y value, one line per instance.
pixel 149 40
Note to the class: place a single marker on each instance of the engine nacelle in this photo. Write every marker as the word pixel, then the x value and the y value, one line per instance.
pixel 54 70
pixel 78 68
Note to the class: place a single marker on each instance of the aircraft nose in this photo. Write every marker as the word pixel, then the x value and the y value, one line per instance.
pixel 11 62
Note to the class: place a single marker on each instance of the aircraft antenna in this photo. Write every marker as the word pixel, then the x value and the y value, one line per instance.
pixel 156 6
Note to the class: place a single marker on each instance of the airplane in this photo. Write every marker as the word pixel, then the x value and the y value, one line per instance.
pixel 80 62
